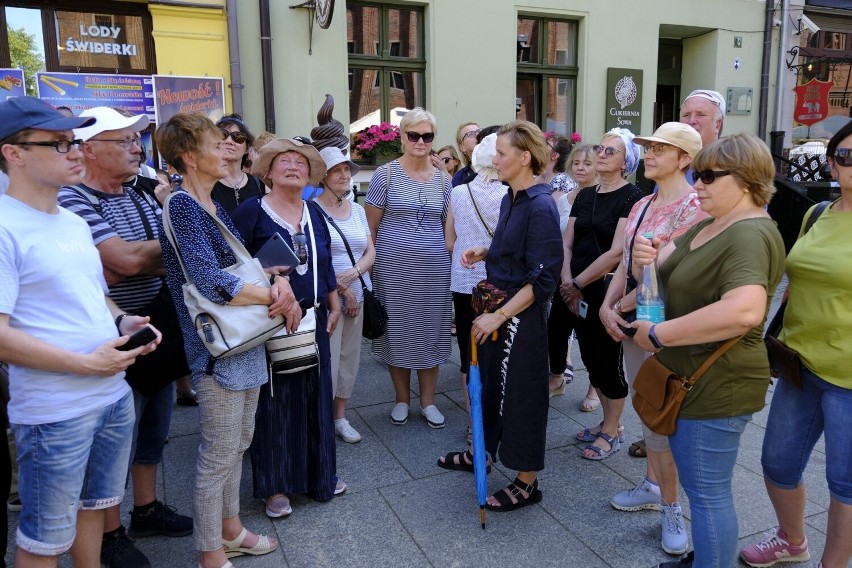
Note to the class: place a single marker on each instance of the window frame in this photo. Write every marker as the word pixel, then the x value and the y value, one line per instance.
pixel 544 71
pixel 387 64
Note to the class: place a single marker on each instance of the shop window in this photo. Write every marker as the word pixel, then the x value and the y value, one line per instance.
pixel 101 36
pixel 547 72
pixel 386 63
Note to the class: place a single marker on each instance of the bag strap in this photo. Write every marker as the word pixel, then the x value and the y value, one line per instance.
pixel 345 243
pixel 314 260
pixel 478 214
pixel 712 359
pixel 237 247
pixel 633 240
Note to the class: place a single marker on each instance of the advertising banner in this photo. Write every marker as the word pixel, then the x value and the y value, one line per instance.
pixel 624 99
pixel 81 91
pixel 12 83
pixel 201 95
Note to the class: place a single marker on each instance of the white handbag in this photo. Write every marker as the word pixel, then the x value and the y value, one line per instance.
pixel 297 351
pixel 226 329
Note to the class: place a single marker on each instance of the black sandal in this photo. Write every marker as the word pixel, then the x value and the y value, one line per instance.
pixel 514 489
pixel 461 461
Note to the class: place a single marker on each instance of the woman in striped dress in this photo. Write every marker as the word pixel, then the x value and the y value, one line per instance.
pixel 406 207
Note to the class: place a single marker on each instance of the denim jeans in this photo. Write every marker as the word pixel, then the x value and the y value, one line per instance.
pixel 705 452
pixel 797 419
pixel 151 430
pixel 63 466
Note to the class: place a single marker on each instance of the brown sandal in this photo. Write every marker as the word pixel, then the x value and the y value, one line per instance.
pixel 638 449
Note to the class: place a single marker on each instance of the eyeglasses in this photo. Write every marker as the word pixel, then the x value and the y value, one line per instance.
pixel 608 150
pixel 61 146
pixel 843 157
pixel 237 136
pixel 709 176
pixel 300 242
pixel 656 149
pixel 427 137
pixel 126 143
pixel 471 133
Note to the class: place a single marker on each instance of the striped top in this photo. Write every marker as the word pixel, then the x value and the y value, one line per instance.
pixel 119 215
pixel 411 276
pixel 358 236
pixel 470 232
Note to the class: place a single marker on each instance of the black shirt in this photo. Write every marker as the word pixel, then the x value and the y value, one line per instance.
pixel 227 196
pixel 527 244
pixel 596 218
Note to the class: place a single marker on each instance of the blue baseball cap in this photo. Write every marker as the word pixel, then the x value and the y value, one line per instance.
pixel 21 113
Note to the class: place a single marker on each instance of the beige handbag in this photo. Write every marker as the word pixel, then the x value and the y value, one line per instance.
pixel 297 351
pixel 225 329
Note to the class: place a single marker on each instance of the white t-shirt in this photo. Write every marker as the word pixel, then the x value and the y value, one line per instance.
pixel 52 287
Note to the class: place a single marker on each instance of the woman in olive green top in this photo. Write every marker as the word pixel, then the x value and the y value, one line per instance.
pixel 718 279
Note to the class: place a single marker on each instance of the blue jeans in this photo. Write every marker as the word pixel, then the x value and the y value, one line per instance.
pixel 705 452
pixel 797 419
pixel 79 463
pixel 151 430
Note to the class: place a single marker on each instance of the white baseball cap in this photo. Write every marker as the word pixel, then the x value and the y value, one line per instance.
pixel 109 119
pixel 714 97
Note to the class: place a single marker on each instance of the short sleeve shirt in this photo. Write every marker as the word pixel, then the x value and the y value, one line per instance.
pixel 748 252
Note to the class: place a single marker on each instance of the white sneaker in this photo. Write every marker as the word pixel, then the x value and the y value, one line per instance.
pixel 346 432
pixel 645 496
pixel 674 540
pixel 399 414
pixel 433 416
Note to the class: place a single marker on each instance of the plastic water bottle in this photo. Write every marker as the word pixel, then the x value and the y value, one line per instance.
pixel 649 295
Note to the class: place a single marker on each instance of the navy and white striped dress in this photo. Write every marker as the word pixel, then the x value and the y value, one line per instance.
pixel 411 275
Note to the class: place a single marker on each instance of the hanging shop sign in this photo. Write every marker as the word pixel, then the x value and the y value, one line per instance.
pixel 624 99
pixel 100 40
pixel 811 102
pixel 201 95
pixel 81 91
pixel 12 83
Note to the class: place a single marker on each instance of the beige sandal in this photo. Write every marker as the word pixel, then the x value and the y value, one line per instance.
pixel 235 547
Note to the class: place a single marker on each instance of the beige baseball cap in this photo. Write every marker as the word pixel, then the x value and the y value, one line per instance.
pixel 675 134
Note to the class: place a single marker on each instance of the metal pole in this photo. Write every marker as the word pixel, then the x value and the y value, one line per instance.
pixel 266 65
pixel 764 72
pixel 234 57
pixel 780 82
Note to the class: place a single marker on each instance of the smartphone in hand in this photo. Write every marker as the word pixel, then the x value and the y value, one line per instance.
pixel 142 337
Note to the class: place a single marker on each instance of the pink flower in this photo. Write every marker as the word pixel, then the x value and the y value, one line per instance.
pixel 575 137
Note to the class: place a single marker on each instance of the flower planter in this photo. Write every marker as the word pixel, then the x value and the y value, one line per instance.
pixel 382 159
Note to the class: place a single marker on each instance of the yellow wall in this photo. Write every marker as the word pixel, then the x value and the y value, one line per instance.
pixel 192 41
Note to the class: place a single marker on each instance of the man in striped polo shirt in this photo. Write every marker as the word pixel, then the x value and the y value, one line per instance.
pixel 125 227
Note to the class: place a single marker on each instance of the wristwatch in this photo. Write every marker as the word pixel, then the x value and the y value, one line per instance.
pixel 575 285
pixel 652 336
pixel 617 308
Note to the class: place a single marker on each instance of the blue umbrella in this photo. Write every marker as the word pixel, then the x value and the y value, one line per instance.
pixel 474 389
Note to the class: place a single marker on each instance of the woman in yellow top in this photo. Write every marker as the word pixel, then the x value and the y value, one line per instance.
pixel 817 325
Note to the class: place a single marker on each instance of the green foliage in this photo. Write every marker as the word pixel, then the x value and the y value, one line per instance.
pixel 25 55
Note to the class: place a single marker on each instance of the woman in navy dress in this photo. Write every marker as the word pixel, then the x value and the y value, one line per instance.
pixel 293 450
pixel 524 260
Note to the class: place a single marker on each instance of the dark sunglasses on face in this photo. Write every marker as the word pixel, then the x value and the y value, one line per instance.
pixel 237 136
pixel 843 157
pixel 608 150
pixel 427 137
pixel 301 243
pixel 709 176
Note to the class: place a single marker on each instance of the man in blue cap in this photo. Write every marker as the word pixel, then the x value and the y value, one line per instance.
pixel 70 408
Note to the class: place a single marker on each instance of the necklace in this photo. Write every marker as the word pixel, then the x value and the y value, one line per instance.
pixel 339 196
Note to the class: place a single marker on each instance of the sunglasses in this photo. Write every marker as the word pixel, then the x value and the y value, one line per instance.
pixel 300 241
pixel 413 137
pixel 843 157
pixel 237 136
pixel 608 150
pixel 708 176
pixel 471 133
